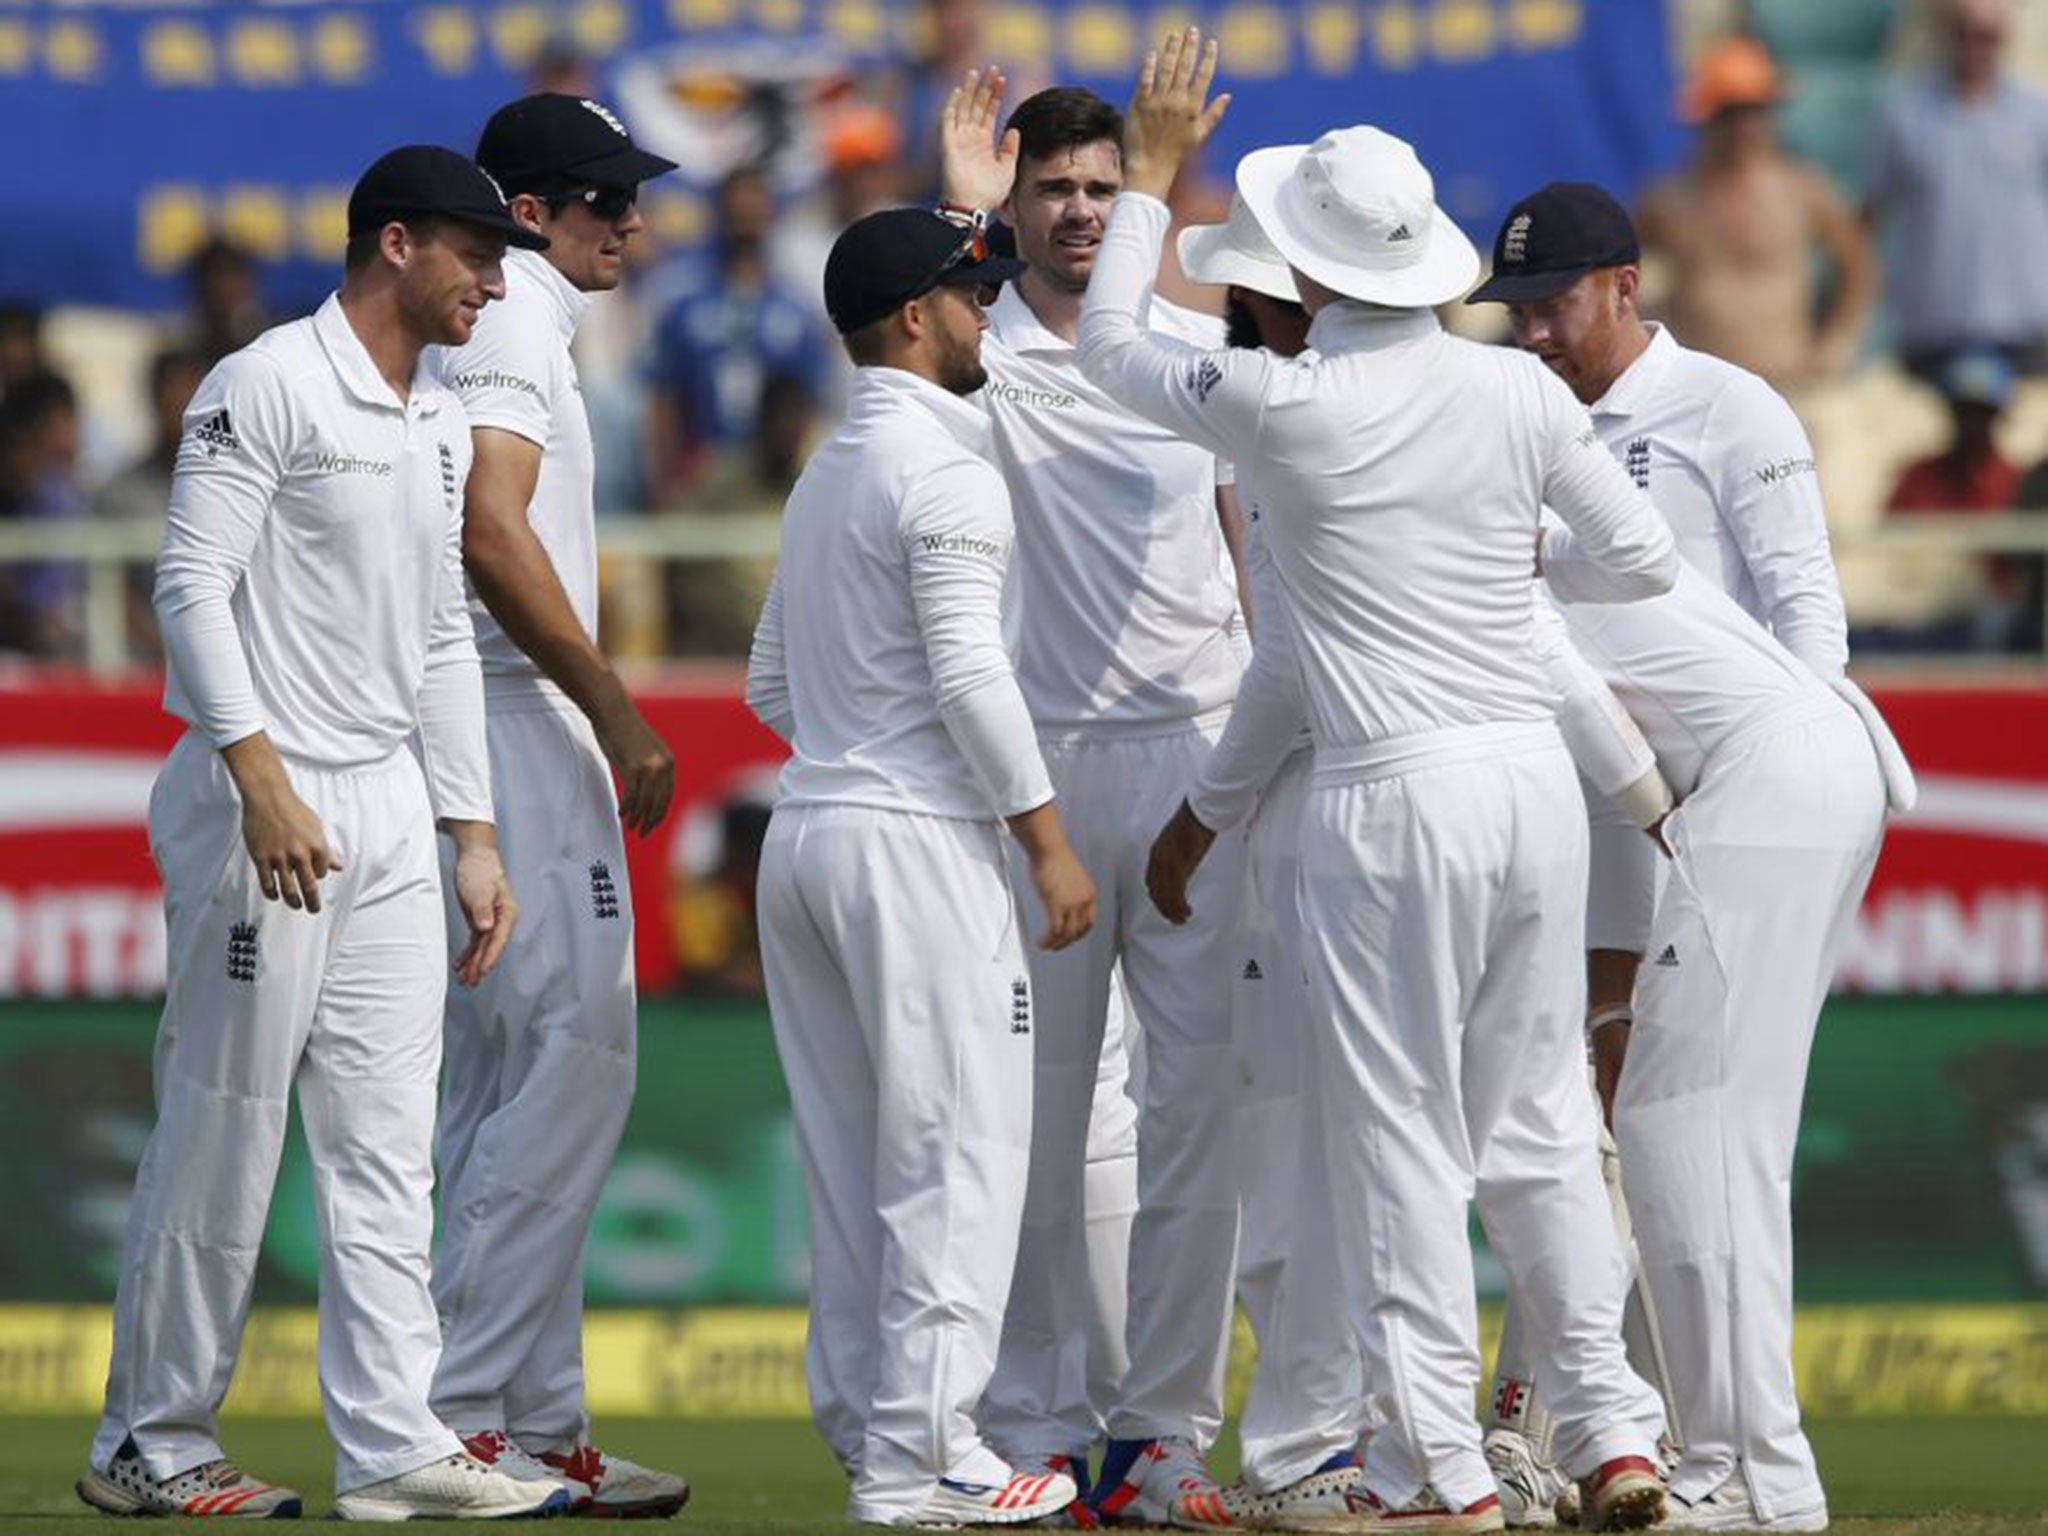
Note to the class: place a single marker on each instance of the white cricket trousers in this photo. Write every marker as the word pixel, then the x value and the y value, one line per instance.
pixel 537 1080
pixel 344 1005
pixel 903 1016
pixel 1307 1396
pixel 1772 853
pixel 1114 796
pixel 1444 901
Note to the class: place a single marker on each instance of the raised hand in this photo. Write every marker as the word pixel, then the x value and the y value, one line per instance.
pixel 1170 116
pixel 976 170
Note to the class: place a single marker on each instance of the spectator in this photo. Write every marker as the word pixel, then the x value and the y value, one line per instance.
pixel 862 148
pixel 1959 189
pixel 143 489
pixel 39 482
pixel 712 604
pixel 717 943
pixel 715 347
pixel 226 292
pixel 21 344
pixel 1740 226
pixel 1971 475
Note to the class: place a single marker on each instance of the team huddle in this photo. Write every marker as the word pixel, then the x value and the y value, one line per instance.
pixel 1543 675
pixel 1238 773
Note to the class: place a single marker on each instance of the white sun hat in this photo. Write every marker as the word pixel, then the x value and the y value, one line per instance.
pixel 1356 211
pixel 1236 253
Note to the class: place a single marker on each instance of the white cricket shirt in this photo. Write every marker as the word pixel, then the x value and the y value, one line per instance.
pixel 1127 608
pixel 1728 464
pixel 1400 472
pixel 310 584
pixel 880 656
pixel 516 374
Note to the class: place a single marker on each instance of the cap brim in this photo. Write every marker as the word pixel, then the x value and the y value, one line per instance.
pixel 1446 269
pixel 516 235
pixel 628 168
pixel 989 271
pixel 1209 255
pixel 1525 287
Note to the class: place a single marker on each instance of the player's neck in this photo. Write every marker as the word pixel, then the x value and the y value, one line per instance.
pixel 373 314
pixel 1058 309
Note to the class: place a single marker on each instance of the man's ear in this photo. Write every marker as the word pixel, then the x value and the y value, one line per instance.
pixel 528 210
pixel 915 319
pixel 1628 285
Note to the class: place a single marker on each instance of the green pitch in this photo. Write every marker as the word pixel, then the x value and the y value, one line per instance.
pixel 1886 1477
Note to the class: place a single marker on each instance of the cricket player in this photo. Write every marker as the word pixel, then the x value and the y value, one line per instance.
pixel 1726 458
pixel 1727 461
pixel 1443 899
pixel 1129 662
pixel 310 595
pixel 892 940
pixel 1783 793
pixel 1307 1390
pixel 540 1058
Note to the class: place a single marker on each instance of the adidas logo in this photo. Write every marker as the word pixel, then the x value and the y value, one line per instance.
pixel 1252 971
pixel 217 433
pixel 1401 232
pixel 1670 955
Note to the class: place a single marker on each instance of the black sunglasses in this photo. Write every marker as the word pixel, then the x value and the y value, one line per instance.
pixel 607 203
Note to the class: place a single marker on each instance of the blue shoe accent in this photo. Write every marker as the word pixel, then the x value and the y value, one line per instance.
pixel 1343 1459
pixel 972 1490
pixel 1118 1457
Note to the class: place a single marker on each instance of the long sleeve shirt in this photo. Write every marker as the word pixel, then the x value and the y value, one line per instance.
pixel 1727 462
pixel 881 654
pixel 1402 472
pixel 310 584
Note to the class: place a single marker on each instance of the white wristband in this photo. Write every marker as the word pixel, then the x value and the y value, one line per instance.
pixel 1610 1013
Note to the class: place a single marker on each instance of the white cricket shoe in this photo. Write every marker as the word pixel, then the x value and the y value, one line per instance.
pixel 1530 1489
pixel 1626 1493
pixel 618 1489
pixel 1319 1502
pixel 457 1487
pixel 1161 1482
pixel 1027 1496
pixel 214 1490
pixel 1729 1508
pixel 501 1453
pixel 1426 1512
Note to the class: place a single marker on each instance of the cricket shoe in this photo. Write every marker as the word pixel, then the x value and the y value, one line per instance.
pixel 211 1490
pixel 1625 1494
pixel 1079 1515
pixel 1530 1489
pixel 1426 1512
pixel 457 1487
pixel 1729 1508
pixel 1026 1497
pixel 501 1453
pixel 619 1489
pixel 1319 1502
pixel 1160 1482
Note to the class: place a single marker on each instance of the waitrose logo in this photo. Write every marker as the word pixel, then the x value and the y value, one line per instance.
pixel 349 464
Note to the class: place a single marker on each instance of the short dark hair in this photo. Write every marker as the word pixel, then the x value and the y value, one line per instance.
pixel 865 345
pixel 35 399
pixel 362 245
pixel 1065 117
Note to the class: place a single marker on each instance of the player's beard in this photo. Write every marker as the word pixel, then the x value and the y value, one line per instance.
pixel 1240 329
pixel 959 366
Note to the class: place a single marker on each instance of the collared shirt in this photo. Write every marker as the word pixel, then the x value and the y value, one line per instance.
pixel 310 584
pixel 515 374
pixel 1727 462
pixel 1127 613
pixel 880 656
pixel 1962 190
pixel 1401 471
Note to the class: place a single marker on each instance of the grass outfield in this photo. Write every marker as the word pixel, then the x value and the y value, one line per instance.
pixel 1886 1477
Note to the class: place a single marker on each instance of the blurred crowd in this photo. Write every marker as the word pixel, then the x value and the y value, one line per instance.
pixel 1861 219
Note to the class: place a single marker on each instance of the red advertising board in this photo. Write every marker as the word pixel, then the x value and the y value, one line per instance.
pixel 1960 902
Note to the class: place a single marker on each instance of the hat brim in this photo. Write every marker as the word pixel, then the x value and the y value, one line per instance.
pixel 1446 269
pixel 990 271
pixel 1209 255
pixel 516 234
pixel 1526 287
pixel 628 168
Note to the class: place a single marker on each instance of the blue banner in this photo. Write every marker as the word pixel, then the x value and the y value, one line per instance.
pixel 138 132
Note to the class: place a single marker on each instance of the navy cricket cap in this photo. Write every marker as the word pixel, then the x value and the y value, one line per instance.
pixel 549 141
pixel 880 263
pixel 425 180
pixel 1554 237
